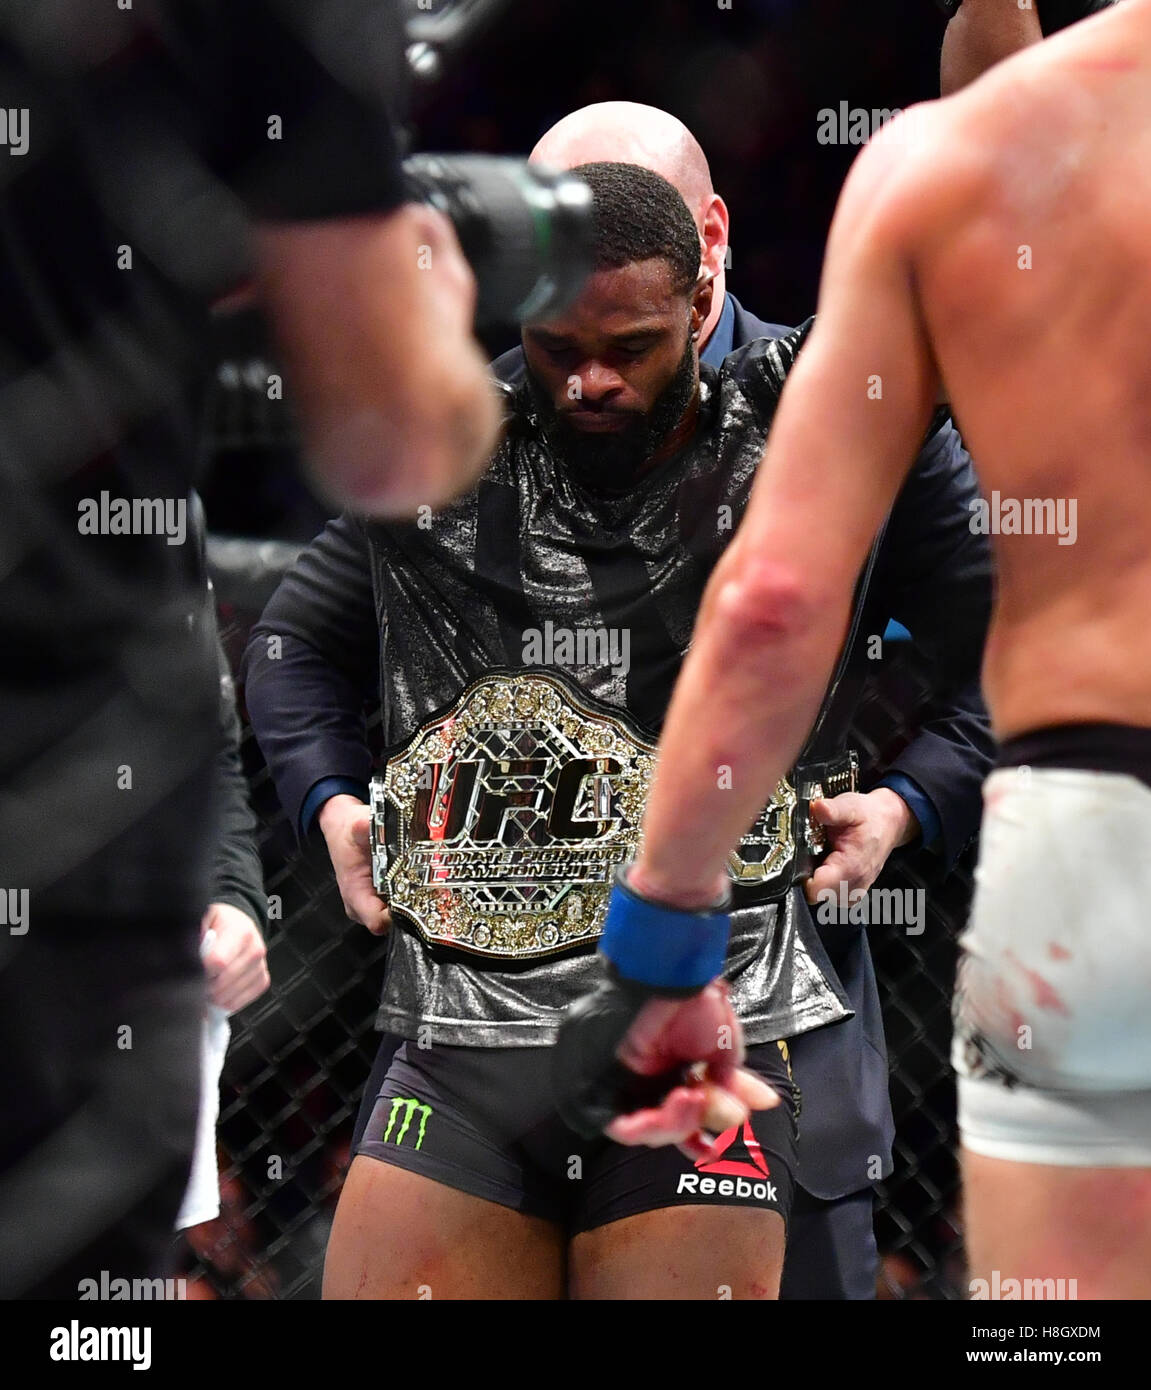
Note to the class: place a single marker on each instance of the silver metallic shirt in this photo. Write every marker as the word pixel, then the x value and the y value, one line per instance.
pixel 497 579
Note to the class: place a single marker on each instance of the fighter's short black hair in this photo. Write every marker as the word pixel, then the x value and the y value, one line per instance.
pixel 638 215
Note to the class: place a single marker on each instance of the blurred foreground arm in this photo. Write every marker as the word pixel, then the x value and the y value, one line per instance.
pixel 374 319
pixel 303 108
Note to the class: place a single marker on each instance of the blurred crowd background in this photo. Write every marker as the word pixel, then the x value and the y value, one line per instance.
pixel 750 82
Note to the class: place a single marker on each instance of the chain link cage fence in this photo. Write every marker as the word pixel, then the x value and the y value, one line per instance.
pixel 301 1055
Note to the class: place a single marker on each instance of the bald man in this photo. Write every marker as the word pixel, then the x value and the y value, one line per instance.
pixel 636 134
pixel 846 1130
pixel 1007 259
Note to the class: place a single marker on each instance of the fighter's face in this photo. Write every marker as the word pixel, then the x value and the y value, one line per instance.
pixel 616 372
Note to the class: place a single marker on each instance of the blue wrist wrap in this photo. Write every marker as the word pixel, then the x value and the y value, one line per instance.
pixel 663 947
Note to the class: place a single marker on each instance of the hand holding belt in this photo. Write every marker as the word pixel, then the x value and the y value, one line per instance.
pixel 785 843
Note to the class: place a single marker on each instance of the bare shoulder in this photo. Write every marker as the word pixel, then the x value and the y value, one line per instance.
pixel 943 162
pixel 914 173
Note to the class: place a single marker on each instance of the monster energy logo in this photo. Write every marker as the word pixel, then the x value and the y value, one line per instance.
pixel 409 1107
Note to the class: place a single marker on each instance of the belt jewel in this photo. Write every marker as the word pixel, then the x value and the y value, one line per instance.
pixel 499 826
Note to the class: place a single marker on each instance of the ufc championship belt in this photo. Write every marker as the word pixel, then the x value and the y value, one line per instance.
pixel 499 825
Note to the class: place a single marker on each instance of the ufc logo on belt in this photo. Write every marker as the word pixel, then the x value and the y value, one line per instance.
pixel 482 799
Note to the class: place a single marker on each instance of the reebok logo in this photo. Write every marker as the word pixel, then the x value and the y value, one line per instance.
pixel 737 1154
pixel 726 1187
pixel 754 1167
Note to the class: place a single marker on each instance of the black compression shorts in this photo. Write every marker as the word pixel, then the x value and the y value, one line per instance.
pixel 481 1120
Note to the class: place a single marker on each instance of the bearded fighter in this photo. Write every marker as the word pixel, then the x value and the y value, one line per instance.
pixel 993 245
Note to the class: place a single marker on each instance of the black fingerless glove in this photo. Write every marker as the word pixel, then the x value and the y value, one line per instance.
pixel 647 951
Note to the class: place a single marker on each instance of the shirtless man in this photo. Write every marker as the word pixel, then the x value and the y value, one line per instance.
pixel 1000 251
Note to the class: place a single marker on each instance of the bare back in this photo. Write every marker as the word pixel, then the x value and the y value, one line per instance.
pixel 1036 293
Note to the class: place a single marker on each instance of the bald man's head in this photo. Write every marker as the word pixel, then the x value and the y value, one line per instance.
pixel 625 132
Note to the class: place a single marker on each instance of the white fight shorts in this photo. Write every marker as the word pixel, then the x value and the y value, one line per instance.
pixel 1052 1042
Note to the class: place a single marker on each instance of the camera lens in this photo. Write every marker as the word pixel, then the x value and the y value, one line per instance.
pixel 526 229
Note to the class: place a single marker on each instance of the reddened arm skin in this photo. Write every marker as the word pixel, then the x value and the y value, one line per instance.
pixel 850 421
pixel 373 316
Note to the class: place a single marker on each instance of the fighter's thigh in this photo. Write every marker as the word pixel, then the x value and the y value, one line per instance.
pixel 399 1235
pixel 1046 1221
pixel 695 1252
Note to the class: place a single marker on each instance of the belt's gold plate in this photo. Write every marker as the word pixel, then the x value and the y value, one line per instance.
pixel 512 813
pixel 499 827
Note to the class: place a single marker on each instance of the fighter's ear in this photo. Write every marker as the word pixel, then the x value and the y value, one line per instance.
pixel 701 297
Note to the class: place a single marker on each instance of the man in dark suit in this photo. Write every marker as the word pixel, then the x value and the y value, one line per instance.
pixel 930 564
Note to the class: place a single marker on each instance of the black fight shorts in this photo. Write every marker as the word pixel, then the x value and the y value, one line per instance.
pixel 481 1120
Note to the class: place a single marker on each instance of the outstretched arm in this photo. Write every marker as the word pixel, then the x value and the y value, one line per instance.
pixel 849 423
pixel 374 318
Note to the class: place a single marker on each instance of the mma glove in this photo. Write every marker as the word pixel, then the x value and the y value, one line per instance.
pixel 647 951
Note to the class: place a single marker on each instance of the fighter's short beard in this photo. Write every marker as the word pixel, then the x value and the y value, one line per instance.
pixel 611 463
